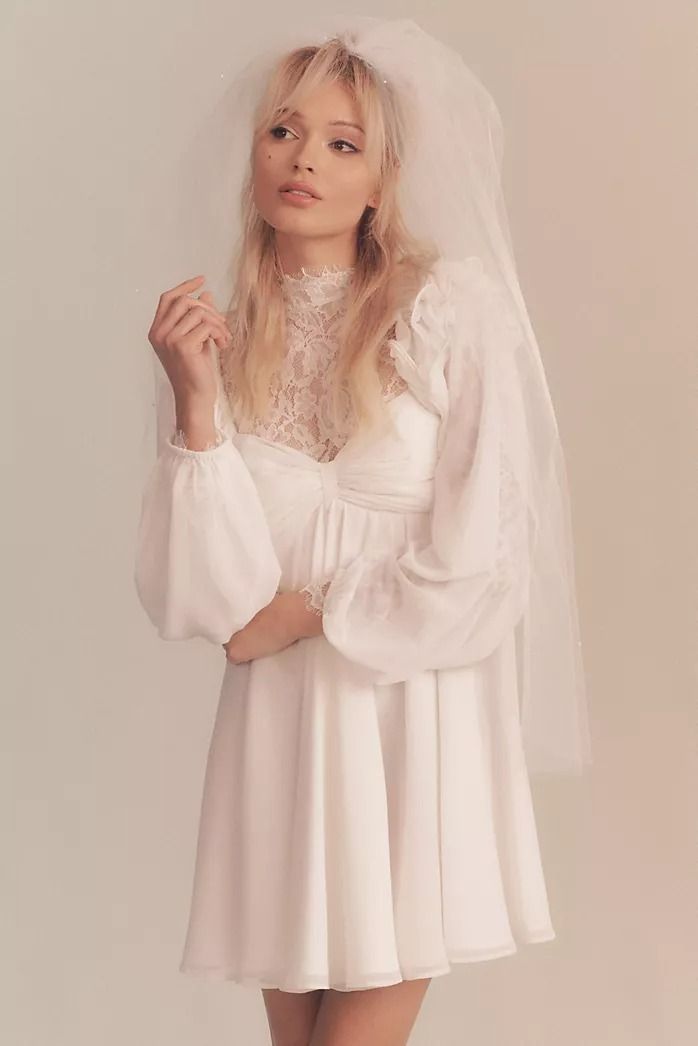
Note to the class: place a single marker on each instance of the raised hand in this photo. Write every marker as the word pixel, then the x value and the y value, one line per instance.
pixel 180 334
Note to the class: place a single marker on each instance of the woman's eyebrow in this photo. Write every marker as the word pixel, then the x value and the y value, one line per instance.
pixel 332 123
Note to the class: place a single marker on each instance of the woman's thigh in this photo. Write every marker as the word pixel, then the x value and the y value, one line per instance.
pixel 291 1015
pixel 371 1017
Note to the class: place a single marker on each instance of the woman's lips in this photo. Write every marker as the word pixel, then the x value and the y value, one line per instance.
pixel 296 198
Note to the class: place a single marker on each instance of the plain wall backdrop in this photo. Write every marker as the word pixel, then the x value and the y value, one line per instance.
pixel 105 727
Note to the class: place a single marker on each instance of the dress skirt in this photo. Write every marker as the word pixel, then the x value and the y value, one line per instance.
pixel 353 835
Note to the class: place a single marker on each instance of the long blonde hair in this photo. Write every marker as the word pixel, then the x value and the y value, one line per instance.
pixel 391 263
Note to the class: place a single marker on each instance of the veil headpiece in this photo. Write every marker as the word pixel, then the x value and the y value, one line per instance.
pixel 450 194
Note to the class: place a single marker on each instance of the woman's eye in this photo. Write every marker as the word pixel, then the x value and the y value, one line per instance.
pixel 338 141
pixel 341 141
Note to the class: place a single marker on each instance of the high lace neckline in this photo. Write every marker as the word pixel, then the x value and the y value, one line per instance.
pixel 317 285
pixel 317 272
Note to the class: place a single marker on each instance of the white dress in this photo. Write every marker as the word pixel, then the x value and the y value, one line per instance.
pixel 366 814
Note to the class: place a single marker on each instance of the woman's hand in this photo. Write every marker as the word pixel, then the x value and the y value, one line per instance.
pixel 273 628
pixel 180 332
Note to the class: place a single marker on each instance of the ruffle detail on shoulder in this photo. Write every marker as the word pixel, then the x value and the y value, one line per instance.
pixel 422 341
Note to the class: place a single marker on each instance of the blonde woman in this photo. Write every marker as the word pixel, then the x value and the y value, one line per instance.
pixel 358 476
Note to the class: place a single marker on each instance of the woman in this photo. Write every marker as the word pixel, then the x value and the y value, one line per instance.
pixel 352 496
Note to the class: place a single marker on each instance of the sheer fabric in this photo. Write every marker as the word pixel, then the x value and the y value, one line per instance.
pixel 451 195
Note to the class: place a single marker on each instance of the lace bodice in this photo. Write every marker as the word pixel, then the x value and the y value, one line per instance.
pixel 300 411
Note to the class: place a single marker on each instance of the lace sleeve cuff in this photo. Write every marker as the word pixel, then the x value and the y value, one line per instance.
pixel 179 440
pixel 315 595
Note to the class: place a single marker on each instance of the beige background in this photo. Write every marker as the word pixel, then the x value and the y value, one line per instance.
pixel 106 728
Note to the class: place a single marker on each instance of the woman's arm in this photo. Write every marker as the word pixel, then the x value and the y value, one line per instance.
pixel 451 599
pixel 205 562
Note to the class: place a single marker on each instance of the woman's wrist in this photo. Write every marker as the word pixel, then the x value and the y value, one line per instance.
pixel 195 425
pixel 308 620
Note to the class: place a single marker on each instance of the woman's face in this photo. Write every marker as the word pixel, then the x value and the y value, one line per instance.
pixel 312 146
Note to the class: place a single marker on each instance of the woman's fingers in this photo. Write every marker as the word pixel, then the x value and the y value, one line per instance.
pixel 176 300
pixel 179 312
pixel 167 297
pixel 192 328
pixel 184 305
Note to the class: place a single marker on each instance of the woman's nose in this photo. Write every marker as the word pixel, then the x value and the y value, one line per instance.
pixel 306 155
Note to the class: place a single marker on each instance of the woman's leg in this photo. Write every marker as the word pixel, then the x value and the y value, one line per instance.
pixel 371 1017
pixel 291 1015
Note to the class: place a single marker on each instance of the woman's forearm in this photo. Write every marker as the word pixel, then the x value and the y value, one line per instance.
pixel 196 426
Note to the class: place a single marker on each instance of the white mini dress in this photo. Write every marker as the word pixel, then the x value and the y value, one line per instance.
pixel 366 813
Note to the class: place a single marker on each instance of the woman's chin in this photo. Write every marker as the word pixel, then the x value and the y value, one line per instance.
pixel 282 221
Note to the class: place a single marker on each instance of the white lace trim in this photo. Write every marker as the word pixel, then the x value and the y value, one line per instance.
pixel 179 439
pixel 315 595
pixel 321 287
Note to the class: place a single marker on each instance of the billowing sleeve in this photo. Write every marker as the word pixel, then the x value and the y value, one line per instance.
pixel 205 563
pixel 450 599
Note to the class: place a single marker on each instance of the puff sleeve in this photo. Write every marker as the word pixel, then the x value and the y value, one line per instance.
pixel 205 563
pixel 450 600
